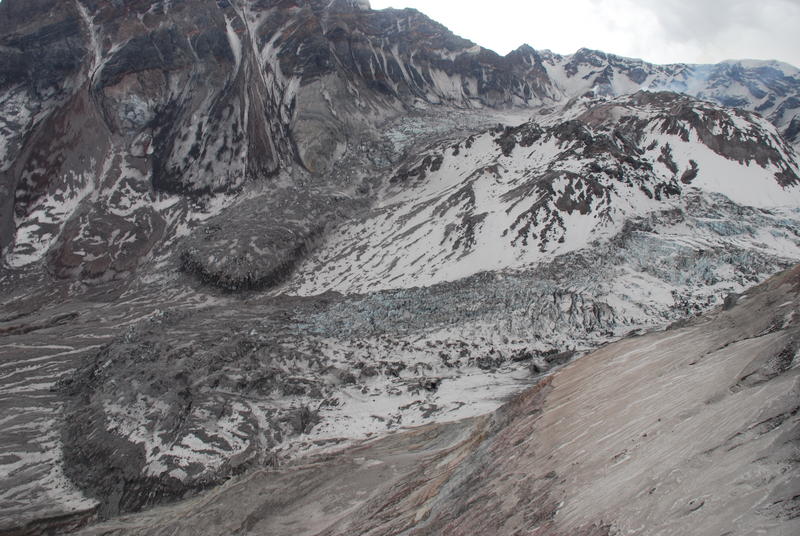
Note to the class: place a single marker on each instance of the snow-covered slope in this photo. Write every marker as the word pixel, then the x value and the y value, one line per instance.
pixel 139 122
pixel 513 197
pixel 769 88
pixel 238 231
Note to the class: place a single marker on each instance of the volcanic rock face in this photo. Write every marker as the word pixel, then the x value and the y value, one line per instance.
pixel 237 232
pixel 134 111
pixel 136 117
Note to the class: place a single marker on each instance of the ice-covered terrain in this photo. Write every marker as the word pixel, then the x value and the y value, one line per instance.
pixel 516 196
pixel 268 376
pixel 693 430
pixel 238 233
pixel 769 88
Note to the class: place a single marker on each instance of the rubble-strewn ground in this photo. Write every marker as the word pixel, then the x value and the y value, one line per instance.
pixel 692 430
pixel 128 396
pixel 237 234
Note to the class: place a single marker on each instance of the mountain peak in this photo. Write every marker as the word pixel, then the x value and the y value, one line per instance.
pixel 363 5
pixel 525 48
pixel 239 231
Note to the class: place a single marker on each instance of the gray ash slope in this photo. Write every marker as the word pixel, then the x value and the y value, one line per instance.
pixel 692 430
pixel 239 232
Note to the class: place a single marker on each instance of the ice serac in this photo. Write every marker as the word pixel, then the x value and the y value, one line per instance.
pixel 515 196
pixel 683 431
pixel 650 434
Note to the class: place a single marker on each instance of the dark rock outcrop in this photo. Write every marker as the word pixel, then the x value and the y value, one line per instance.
pixel 119 119
pixel 345 244
pixel 117 105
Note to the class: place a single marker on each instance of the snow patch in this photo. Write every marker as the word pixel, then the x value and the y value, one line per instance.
pixel 235 43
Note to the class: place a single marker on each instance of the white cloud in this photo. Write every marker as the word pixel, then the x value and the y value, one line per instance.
pixel 662 31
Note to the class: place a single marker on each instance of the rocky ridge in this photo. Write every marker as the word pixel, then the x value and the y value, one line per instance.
pixel 240 232
pixel 514 196
pixel 769 88
pixel 141 120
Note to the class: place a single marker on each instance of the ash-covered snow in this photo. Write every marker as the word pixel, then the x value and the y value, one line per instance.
pixel 437 265
pixel 15 118
pixel 235 43
pixel 42 226
pixel 472 205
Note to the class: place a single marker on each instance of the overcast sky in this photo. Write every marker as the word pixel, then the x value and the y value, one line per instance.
pixel 660 31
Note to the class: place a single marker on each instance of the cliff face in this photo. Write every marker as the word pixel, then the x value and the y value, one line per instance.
pixel 238 231
pixel 110 108
pixel 141 99
pixel 122 122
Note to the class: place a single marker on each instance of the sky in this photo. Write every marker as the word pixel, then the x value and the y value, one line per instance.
pixel 659 31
